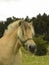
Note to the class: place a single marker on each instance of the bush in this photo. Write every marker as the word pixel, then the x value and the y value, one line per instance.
pixel 41 46
pixel 46 37
pixel 48 49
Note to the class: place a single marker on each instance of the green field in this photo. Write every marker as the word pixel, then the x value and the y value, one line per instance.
pixel 30 59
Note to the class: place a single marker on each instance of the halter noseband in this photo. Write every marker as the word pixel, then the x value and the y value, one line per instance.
pixel 24 40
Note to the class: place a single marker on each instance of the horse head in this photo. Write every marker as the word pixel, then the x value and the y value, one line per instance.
pixel 25 35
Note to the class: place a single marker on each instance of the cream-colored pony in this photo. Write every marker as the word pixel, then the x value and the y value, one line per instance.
pixel 19 33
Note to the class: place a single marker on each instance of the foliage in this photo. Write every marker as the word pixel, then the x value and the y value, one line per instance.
pixel 1 29
pixel 27 19
pixel 41 24
pixel 41 46
pixel 46 37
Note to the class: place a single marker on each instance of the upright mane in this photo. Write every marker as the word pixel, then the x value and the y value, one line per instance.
pixel 12 26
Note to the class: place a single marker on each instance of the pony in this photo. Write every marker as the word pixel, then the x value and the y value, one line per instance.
pixel 17 34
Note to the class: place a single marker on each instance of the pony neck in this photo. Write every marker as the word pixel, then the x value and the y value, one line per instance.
pixel 10 34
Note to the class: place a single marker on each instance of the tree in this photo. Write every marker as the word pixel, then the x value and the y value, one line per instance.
pixel 2 27
pixel 27 19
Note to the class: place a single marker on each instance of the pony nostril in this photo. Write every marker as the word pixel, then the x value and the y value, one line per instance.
pixel 32 48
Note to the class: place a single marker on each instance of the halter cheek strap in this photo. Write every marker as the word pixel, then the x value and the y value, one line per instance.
pixel 23 42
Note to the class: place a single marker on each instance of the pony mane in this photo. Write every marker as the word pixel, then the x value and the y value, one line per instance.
pixel 12 26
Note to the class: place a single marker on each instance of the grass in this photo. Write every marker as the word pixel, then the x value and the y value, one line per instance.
pixel 30 59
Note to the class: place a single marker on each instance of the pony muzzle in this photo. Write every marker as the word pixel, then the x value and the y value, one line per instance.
pixel 32 48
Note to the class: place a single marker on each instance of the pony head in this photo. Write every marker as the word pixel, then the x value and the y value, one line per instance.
pixel 25 35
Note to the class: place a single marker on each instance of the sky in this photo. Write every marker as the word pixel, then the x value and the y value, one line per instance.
pixel 23 8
